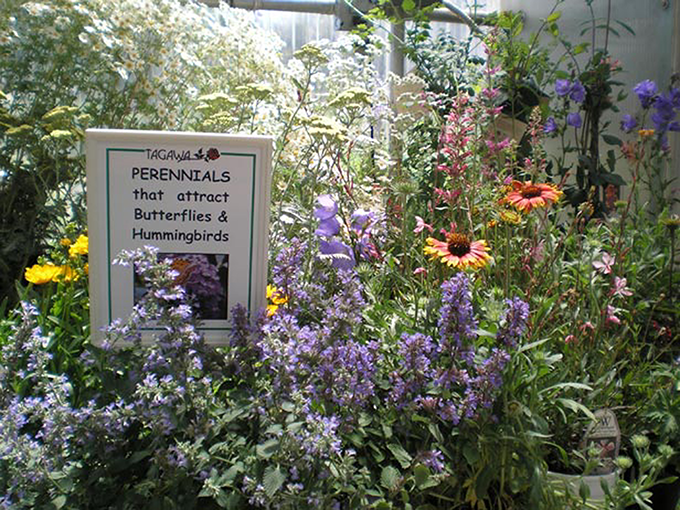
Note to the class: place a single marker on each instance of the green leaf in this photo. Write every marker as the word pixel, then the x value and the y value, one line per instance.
pixel 576 407
pixel 421 474
pixel 365 419
pixel 436 433
pixel 530 346
pixel 267 449
pixel 400 454
pixel 389 478
pixel 627 27
pixel 584 491
pixel 387 430
pixel 560 386
pixel 612 140
pixel 554 16
pixel 230 474
pixel 408 5
pixel 483 482
pixel 59 501
pixel 272 480
pixel 471 454
pixel 611 178
pixel 483 332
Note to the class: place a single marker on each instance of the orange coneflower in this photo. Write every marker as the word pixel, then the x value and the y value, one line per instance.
pixel 459 251
pixel 526 196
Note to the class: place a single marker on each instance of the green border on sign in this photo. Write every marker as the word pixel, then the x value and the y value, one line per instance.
pixel 252 220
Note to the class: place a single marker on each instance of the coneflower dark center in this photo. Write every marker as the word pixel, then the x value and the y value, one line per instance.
pixel 458 244
pixel 531 191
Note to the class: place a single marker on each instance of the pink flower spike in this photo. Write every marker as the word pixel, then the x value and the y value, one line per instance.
pixel 611 315
pixel 620 288
pixel 420 225
pixel 605 265
pixel 570 339
pixel 420 270
pixel 587 325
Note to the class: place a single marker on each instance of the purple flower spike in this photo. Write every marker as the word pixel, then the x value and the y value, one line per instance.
pixel 325 207
pixel 574 120
pixel 562 87
pixel 628 123
pixel 328 228
pixel 514 322
pixel 645 90
pixel 550 126
pixel 344 256
pixel 577 92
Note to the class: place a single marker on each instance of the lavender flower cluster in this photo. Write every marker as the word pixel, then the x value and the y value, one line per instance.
pixel 321 359
pixel 451 378
pixel 162 394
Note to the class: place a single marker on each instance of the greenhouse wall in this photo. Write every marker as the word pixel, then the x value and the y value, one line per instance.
pixel 650 54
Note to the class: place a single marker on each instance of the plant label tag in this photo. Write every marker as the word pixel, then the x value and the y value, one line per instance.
pixel 605 435
pixel 201 199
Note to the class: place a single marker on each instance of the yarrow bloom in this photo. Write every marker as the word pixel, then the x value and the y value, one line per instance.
pixel 526 196
pixel 458 251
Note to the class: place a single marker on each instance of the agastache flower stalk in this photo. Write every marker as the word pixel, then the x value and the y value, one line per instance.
pixel 514 322
pixel 457 323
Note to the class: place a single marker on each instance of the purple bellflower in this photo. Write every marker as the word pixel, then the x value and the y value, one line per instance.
pixel 343 256
pixel 645 90
pixel 574 120
pixel 562 87
pixel 577 92
pixel 550 126
pixel 628 123
pixel 325 208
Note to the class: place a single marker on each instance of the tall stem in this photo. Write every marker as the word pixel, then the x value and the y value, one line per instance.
pixel 671 264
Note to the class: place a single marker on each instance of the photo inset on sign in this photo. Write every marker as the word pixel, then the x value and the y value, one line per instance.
pixel 205 277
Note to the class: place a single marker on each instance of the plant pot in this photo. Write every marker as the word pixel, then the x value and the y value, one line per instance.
pixel 572 484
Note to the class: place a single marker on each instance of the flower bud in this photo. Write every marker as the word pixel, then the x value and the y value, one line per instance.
pixel 624 463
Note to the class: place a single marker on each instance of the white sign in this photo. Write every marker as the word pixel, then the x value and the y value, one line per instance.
pixel 604 434
pixel 202 199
